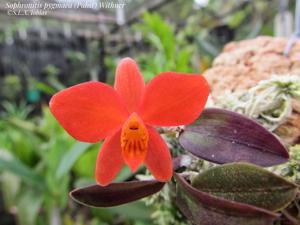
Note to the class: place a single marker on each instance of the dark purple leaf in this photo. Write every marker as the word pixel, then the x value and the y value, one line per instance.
pixel 222 136
pixel 204 209
pixel 115 193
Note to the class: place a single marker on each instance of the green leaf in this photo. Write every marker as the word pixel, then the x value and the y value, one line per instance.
pixel 43 87
pixel 247 183
pixel 124 174
pixel 236 19
pixel 85 165
pixel 134 210
pixel 9 188
pixel 182 62
pixel 19 169
pixel 27 215
pixel 157 26
pixel 70 158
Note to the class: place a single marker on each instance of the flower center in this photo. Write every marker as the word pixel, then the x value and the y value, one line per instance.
pixel 134 138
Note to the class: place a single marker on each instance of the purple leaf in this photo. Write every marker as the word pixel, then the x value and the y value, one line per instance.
pixel 247 183
pixel 204 209
pixel 181 161
pixel 222 136
pixel 115 193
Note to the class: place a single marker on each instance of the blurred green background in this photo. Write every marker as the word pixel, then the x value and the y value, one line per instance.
pixel 40 55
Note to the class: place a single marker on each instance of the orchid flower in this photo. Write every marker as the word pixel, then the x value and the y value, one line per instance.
pixel 126 117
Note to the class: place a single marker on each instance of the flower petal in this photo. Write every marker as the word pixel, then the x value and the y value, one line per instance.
pixel 89 111
pixel 134 142
pixel 109 160
pixel 129 83
pixel 158 159
pixel 173 99
pixel 134 161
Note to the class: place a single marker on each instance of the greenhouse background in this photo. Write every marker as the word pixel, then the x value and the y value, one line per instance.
pixel 58 47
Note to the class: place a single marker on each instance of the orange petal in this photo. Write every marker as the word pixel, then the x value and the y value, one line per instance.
pixel 89 111
pixel 158 159
pixel 109 160
pixel 129 83
pixel 173 99
pixel 134 142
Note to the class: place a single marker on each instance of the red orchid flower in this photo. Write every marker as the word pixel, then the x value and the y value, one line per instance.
pixel 125 116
